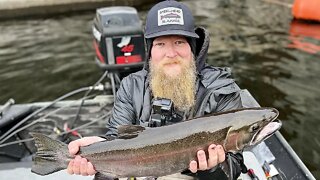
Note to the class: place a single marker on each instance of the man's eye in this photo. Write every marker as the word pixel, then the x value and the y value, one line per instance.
pixel 159 44
pixel 180 42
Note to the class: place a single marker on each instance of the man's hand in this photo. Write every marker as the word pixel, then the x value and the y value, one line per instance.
pixel 216 156
pixel 81 165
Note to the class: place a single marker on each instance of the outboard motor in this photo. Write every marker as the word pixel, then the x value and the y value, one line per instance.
pixel 118 41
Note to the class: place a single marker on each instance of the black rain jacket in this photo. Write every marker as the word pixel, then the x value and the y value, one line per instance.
pixel 216 91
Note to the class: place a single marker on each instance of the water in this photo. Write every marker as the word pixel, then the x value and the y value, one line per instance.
pixel 42 59
pixel 45 58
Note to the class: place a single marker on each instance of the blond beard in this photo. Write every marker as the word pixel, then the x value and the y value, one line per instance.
pixel 180 89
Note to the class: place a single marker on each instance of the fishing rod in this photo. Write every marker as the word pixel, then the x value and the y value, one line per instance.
pixel 85 95
pixel 5 136
pixel 82 102
pixel 6 106
pixel 87 124
pixel 74 129
pixel 96 86
pixel 42 118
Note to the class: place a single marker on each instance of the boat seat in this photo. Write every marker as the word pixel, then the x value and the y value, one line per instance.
pixel 14 113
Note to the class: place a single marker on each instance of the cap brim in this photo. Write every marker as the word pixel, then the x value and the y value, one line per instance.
pixel 172 32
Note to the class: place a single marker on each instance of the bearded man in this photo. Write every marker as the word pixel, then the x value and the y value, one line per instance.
pixel 175 70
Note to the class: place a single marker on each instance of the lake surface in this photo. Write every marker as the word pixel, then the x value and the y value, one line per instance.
pixel 275 58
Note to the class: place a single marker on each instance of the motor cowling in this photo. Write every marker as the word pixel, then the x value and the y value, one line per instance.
pixel 118 38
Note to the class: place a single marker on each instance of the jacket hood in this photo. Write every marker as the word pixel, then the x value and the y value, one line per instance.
pixel 201 49
pixel 202 46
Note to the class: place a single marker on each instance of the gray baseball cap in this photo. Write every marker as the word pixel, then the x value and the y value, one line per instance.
pixel 169 18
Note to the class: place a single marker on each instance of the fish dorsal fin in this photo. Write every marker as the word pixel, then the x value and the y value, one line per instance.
pixel 129 131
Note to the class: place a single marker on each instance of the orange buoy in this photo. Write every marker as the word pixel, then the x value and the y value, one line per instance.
pixel 306 9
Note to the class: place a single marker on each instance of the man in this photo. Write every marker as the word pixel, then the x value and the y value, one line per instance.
pixel 175 70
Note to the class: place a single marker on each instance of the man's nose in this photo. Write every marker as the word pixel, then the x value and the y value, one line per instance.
pixel 171 52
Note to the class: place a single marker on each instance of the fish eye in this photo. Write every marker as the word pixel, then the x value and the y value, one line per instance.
pixel 254 128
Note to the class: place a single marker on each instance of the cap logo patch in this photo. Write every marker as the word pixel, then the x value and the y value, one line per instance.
pixel 170 15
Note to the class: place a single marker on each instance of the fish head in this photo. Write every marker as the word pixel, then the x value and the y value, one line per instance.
pixel 265 132
pixel 256 127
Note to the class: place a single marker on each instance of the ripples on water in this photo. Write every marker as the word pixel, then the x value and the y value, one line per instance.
pixel 44 58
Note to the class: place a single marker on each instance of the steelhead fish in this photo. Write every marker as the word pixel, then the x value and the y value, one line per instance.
pixel 156 152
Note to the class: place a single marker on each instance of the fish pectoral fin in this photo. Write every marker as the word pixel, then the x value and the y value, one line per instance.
pixel 227 139
pixel 129 131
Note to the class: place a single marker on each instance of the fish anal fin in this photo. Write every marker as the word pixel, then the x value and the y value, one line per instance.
pixel 129 131
pixel 104 176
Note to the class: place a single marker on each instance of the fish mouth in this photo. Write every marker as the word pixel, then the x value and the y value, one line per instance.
pixel 265 132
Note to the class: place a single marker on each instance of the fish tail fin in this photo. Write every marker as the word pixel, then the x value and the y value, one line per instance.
pixel 51 155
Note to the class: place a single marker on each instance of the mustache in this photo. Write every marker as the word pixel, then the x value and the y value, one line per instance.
pixel 171 61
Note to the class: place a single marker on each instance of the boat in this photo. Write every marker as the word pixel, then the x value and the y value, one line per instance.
pixel 67 120
pixel 16 159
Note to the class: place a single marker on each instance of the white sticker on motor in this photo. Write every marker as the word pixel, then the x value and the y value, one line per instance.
pixel 96 34
pixel 170 15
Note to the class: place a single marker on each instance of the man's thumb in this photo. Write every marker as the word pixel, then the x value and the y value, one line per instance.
pixel 73 147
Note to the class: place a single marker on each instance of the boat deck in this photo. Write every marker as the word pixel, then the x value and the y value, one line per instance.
pixel 16 164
